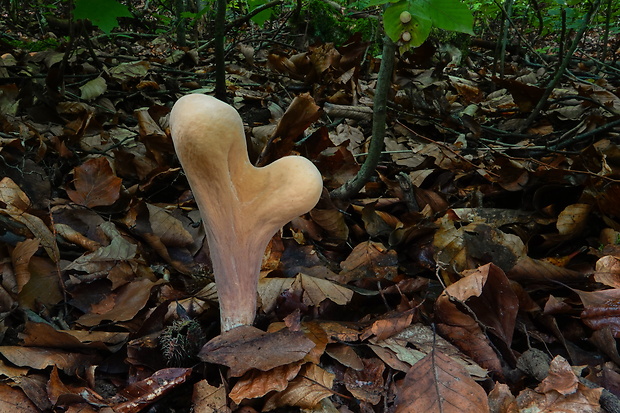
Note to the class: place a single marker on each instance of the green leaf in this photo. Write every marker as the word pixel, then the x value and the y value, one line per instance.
pixel 261 17
pixel 418 28
pixel 102 13
pixel 372 3
pixel 451 15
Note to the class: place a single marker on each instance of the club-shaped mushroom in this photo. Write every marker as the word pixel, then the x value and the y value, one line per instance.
pixel 241 206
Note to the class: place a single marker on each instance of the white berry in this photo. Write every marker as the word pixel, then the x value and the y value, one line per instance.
pixel 405 17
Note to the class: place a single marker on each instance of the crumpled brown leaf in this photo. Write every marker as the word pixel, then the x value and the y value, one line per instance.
pixel 486 293
pixel 560 391
pixel 246 347
pixel 312 385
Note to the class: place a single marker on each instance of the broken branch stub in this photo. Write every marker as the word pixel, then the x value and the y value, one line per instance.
pixel 242 206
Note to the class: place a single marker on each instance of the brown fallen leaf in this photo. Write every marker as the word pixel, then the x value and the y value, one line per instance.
pixel 95 184
pixel 21 256
pixel 388 325
pixel 64 395
pixel 501 399
pixel 439 384
pixel 312 385
pixel 317 290
pixel 332 221
pixel 561 378
pixel 301 113
pixel 14 400
pixel 12 195
pixel 528 269
pixel 41 358
pixel 573 220
pixel 257 383
pixel 466 247
pixel 608 271
pixel 44 335
pixel 246 347
pixel 366 384
pixel 17 203
pixel 346 355
pixel 560 391
pixel 487 293
pixel 601 309
pixel 209 399
pixel 35 387
pixel 129 300
pixel 145 392
pixel 370 259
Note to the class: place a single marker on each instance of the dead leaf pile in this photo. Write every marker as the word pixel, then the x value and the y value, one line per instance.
pixel 477 271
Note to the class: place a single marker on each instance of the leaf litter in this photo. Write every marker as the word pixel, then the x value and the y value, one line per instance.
pixel 476 245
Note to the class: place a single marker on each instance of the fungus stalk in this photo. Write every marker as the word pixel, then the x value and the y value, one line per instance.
pixel 241 206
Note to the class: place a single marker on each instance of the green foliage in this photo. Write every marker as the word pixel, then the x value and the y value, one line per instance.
pixel 261 17
pixel 102 13
pixel 326 24
pixel 525 14
pixel 35 46
pixel 412 32
pixel 409 22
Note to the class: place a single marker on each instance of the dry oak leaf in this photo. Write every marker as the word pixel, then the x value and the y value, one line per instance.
pixel 95 184
pixel 561 378
pixel 12 195
pixel 246 347
pixel 400 359
pixel 43 286
pixel 315 290
pixel 439 384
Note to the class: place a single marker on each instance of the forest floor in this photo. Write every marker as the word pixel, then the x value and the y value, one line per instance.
pixel 479 270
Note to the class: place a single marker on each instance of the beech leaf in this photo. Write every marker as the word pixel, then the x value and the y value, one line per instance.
pixel 438 383
pixel 95 184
